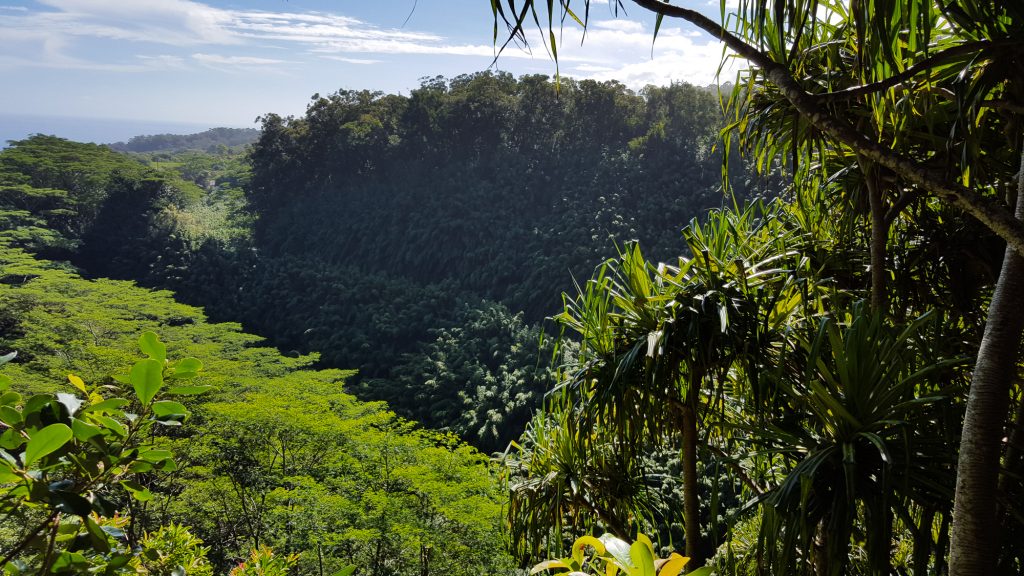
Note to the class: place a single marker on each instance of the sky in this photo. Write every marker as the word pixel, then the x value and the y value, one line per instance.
pixel 224 63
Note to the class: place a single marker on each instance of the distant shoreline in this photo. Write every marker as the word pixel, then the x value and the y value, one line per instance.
pixel 96 130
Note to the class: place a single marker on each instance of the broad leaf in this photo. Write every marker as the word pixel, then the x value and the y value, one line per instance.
pixel 165 408
pixel 46 441
pixel 151 346
pixel 77 383
pixel 147 378
pixel 138 491
pixel 83 430
pixel 548 565
pixel 70 401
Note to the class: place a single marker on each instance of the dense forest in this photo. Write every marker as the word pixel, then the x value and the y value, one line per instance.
pixel 208 141
pixel 775 326
pixel 407 238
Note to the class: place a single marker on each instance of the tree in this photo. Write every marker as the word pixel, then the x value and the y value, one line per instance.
pixel 659 342
pixel 829 66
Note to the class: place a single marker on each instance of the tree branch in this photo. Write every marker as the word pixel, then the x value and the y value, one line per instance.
pixel 908 74
pixel 988 211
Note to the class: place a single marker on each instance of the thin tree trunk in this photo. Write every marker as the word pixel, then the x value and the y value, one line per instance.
pixel 975 535
pixel 879 239
pixel 820 561
pixel 691 510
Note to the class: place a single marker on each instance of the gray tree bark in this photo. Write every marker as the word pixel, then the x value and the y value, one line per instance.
pixel 974 540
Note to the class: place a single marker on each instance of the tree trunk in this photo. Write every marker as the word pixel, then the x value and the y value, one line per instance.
pixel 691 510
pixel 879 236
pixel 975 535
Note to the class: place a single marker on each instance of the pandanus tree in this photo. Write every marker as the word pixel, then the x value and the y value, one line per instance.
pixel 657 343
pixel 867 458
pixel 912 93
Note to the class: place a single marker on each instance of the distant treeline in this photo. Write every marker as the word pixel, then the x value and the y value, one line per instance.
pixel 208 141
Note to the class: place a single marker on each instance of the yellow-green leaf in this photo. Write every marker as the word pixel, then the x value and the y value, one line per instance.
pixel 581 543
pixel 151 346
pixel 548 565
pixel 147 378
pixel 673 565
pixel 77 383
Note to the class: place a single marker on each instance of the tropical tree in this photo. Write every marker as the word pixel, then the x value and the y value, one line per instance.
pixel 819 72
pixel 658 343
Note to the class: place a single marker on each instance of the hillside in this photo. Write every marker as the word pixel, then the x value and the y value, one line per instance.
pixel 207 141
pixel 277 453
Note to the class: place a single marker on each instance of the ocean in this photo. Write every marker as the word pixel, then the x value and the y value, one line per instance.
pixel 98 130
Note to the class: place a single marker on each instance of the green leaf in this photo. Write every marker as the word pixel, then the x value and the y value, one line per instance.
pixel 83 430
pixel 139 467
pixel 67 560
pixel 346 571
pixel 107 406
pixel 643 558
pixel 673 565
pixel 147 378
pixel 11 439
pixel 138 491
pixel 581 543
pixel 70 503
pixel 5 382
pixel 165 408
pixel 156 455
pixel 151 346
pixel 187 365
pixel 46 441
pixel 114 425
pixel 618 548
pixel 10 416
pixel 99 538
pixel 7 473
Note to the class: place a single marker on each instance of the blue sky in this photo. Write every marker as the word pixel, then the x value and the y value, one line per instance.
pixel 226 62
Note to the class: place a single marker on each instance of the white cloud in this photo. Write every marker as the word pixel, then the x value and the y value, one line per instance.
pixel 174 22
pixel 235 60
pixel 362 61
pixel 162 62
pixel 232 39
pixel 626 50
pixel 187 23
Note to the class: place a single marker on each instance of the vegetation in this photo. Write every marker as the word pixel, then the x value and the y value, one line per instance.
pixel 276 454
pixel 212 140
pixel 881 116
pixel 821 380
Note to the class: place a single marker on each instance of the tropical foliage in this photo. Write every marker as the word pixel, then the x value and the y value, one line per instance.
pixel 276 454
pixel 823 380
